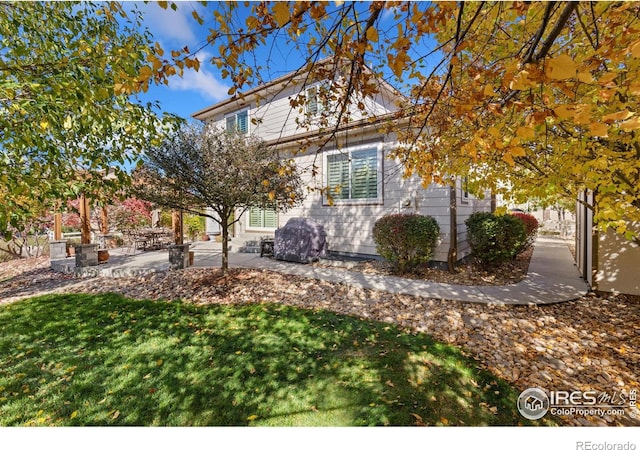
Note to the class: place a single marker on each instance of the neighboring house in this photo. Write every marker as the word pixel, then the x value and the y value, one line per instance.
pixel 607 261
pixel 355 159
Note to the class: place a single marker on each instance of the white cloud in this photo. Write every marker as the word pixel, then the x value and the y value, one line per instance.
pixel 203 82
pixel 169 25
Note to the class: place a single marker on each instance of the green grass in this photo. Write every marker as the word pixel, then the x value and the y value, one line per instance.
pixel 108 360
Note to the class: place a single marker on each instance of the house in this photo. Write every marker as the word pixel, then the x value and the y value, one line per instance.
pixel 607 261
pixel 353 157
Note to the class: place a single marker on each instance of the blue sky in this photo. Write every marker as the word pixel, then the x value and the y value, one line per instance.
pixel 197 90
pixel 174 30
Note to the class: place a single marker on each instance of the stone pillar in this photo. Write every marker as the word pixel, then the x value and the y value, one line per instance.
pixel 86 255
pixel 179 256
pixel 57 249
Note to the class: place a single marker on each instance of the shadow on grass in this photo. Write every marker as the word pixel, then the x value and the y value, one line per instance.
pixel 108 360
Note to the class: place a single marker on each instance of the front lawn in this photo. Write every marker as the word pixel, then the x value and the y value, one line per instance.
pixel 108 360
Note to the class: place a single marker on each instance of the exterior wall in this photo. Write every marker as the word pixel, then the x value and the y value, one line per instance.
pixel 618 263
pixel 349 226
pixel 274 117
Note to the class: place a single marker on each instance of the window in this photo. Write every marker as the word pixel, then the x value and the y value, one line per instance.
pixel 238 122
pixel 316 99
pixel 313 106
pixel 464 195
pixel 261 218
pixel 354 174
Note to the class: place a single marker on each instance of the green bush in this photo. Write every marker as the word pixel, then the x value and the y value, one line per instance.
pixel 495 240
pixel 406 240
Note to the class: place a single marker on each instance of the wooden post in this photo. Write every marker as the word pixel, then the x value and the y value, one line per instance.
pixel 176 224
pixel 57 227
pixel 85 220
pixel 105 221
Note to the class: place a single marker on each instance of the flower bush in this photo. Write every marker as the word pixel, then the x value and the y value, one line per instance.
pixel 406 240
pixel 495 240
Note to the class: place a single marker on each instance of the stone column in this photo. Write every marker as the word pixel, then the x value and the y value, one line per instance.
pixel 179 256
pixel 86 255
pixel 57 249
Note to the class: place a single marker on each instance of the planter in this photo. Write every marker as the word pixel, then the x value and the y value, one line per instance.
pixel 103 256
pixel 71 250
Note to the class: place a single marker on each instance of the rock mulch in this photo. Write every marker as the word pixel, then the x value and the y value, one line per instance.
pixel 587 344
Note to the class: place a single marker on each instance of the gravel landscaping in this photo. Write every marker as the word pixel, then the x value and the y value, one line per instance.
pixel 586 344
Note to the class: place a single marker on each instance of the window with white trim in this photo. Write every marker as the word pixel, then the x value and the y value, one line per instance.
pixel 238 122
pixel 262 219
pixel 354 175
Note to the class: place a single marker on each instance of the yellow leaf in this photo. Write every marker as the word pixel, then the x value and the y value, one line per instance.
pixel 631 124
pixel 488 91
pixel 607 78
pixel 272 195
pixel 372 34
pixel 620 115
pixel 525 133
pixel 585 77
pixel 564 111
pixel 44 124
pixel 68 123
pixel 517 151
pixel 508 159
pixel 444 421
pixel 163 4
pixel 145 73
pixel 634 49
pixel 74 414
pixel 598 129
pixel 159 362
pixel 282 13
pixel 252 417
pixel 197 17
pixel 634 89
pixel 265 183
pixel 561 68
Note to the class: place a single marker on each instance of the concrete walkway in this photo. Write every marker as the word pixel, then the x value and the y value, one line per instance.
pixel 552 275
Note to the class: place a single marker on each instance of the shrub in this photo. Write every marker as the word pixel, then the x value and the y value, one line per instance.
pixel 494 240
pixel 530 227
pixel 406 240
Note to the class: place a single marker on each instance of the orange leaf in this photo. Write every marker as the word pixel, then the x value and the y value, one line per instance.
pixel 561 68
pixel 620 115
pixel 598 129
pixel 282 13
pixel 631 124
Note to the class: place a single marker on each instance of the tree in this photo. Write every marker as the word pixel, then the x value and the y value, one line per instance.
pixel 196 169
pixel 524 98
pixel 68 71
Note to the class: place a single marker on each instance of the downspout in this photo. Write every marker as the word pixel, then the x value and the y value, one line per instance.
pixel 452 257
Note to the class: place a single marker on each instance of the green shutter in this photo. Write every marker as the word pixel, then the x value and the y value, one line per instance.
pixel 364 174
pixel 338 175
pixel 270 218
pixel 262 218
pixel 255 218
pixel 242 122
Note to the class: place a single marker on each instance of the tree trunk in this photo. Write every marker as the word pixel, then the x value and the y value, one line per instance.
pixel 225 246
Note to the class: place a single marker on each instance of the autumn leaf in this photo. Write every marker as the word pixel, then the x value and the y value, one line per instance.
pixel 561 68
pixel 252 417
pixel 282 13
pixel 74 414
pixel 620 115
pixel 525 133
pixel 631 124
pixel 372 34
pixel 598 129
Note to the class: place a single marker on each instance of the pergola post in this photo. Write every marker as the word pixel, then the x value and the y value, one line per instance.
pixel 104 219
pixel 176 224
pixel 85 220
pixel 57 227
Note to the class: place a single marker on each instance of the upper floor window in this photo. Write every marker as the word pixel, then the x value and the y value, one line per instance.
pixel 238 122
pixel 316 99
pixel 355 175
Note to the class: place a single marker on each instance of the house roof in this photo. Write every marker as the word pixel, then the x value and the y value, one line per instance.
pixel 299 76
